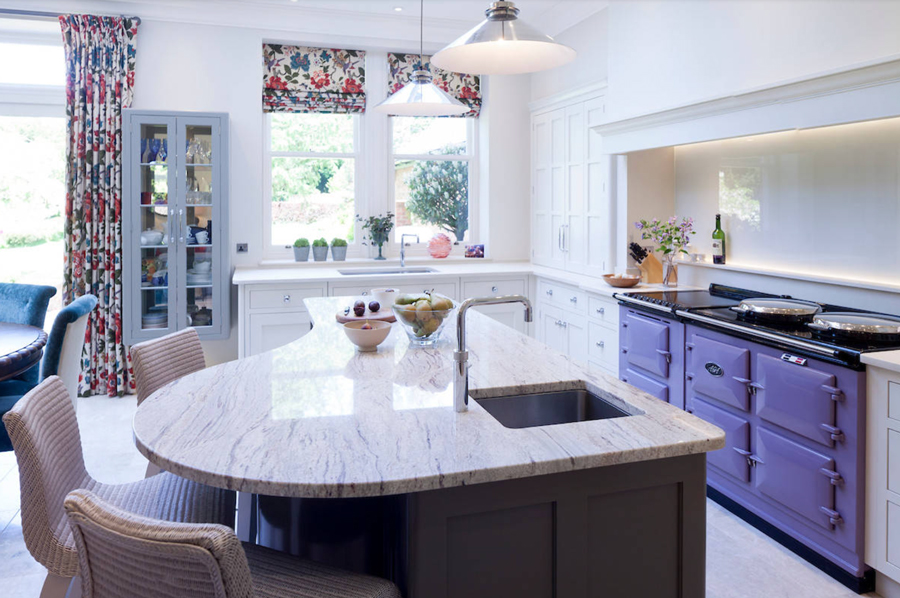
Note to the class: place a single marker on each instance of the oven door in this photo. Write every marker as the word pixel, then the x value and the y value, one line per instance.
pixel 719 371
pixel 797 477
pixel 647 344
pixel 648 385
pixel 733 459
pixel 798 398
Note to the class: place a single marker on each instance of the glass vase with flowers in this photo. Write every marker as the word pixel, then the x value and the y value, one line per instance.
pixel 671 238
pixel 378 230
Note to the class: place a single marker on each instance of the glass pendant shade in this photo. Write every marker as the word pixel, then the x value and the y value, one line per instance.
pixel 503 45
pixel 421 97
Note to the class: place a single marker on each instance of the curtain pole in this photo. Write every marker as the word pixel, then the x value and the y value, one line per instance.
pixel 39 14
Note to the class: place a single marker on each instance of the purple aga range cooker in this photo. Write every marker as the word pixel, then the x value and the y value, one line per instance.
pixel 783 378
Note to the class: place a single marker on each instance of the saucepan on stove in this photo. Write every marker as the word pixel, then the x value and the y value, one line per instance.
pixel 766 309
pixel 866 326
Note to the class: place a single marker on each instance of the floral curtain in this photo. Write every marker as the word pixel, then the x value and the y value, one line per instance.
pixel 303 79
pixel 100 58
pixel 465 88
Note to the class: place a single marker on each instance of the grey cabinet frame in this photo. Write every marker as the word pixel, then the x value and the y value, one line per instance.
pixel 176 122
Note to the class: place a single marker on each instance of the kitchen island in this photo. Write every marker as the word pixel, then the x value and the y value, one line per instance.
pixel 455 504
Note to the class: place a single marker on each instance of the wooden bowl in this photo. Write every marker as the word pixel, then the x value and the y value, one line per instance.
pixel 622 281
pixel 367 340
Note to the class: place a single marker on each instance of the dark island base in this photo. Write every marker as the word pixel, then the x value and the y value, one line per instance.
pixel 626 530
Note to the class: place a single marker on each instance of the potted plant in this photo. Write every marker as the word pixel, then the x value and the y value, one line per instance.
pixel 378 230
pixel 301 250
pixel 671 238
pixel 339 249
pixel 320 249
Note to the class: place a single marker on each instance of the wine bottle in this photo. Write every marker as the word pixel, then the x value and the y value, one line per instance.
pixel 718 242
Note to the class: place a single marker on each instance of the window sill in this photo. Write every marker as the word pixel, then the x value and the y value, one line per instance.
pixel 365 261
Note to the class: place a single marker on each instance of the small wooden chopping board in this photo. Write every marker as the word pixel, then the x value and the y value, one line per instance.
pixel 385 315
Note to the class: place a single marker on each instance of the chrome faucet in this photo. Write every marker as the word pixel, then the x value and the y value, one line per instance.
pixel 461 355
pixel 403 247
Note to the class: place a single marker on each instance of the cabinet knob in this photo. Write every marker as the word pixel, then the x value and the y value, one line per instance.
pixel 601 344
pixel 364 293
pixel 494 289
pixel 601 310
pixel 574 299
pixel 550 292
pixel 287 299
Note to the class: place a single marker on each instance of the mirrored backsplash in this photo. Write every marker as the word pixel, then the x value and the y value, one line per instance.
pixel 817 201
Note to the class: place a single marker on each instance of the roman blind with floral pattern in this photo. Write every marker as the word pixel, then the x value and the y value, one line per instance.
pixel 304 79
pixel 463 87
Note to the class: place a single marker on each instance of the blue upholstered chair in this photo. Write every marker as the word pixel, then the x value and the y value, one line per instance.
pixel 25 304
pixel 62 357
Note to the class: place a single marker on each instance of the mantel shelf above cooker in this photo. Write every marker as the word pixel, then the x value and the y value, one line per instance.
pixel 872 285
pixel 860 92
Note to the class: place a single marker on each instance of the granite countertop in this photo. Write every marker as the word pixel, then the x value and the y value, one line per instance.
pixel 311 273
pixel 889 360
pixel 315 418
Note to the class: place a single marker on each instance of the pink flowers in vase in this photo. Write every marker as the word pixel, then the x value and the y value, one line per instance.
pixel 671 237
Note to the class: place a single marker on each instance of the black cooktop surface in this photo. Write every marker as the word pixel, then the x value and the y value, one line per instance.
pixel 685 299
pixel 797 331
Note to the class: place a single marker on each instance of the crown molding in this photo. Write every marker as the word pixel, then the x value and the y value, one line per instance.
pixel 558 100
pixel 864 91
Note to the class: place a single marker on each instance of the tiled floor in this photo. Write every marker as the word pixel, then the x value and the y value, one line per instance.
pixel 742 562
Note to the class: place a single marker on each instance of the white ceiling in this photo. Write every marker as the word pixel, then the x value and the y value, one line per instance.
pixel 368 23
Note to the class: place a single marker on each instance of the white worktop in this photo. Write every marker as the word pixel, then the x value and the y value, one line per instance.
pixel 314 273
pixel 315 418
pixel 889 360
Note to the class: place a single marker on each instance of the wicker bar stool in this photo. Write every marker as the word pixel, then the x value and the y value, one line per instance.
pixel 122 554
pixel 44 433
pixel 162 360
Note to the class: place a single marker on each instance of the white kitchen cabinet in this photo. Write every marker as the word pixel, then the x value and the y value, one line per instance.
pixel 363 289
pixel 273 315
pixel 883 472
pixel 511 314
pixel 270 331
pixel 572 215
pixel 563 331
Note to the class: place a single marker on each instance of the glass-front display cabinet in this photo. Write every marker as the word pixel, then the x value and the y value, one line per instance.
pixel 174 224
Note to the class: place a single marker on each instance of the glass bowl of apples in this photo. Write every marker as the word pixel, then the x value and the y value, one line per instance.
pixel 423 316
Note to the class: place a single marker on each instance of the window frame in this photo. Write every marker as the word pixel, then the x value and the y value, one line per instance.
pixel 284 252
pixel 420 249
pixel 25 99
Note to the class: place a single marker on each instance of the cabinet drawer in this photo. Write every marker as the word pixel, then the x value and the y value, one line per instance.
pixel 273 330
pixel 603 344
pixel 733 458
pixel 489 288
pixel 287 297
pixel 563 296
pixel 603 368
pixel 405 286
pixel 603 310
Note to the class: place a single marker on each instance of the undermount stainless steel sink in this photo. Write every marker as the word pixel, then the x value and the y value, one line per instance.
pixel 378 272
pixel 549 408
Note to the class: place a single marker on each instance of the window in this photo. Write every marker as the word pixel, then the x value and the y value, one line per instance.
pixel 32 154
pixel 431 164
pixel 313 160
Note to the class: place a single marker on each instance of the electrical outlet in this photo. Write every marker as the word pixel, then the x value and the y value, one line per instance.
pixel 242 248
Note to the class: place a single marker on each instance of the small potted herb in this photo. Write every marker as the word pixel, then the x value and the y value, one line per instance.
pixel 339 249
pixel 301 250
pixel 379 229
pixel 320 249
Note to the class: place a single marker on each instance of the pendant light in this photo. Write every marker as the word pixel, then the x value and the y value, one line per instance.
pixel 421 97
pixel 503 45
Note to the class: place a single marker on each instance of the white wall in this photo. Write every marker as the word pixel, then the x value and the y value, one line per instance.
pixel 650 193
pixel 184 66
pixel 665 53
pixel 589 39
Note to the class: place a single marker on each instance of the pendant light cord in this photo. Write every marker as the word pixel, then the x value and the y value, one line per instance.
pixel 422 35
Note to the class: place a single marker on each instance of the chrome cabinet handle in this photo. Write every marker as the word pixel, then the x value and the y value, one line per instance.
pixel 601 310
pixel 286 299
pixel 181 221
pixel 364 293
pixel 550 292
pixel 559 238
pixel 494 289
pixel 564 324
pixel 574 299
pixel 600 344
pixel 833 516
